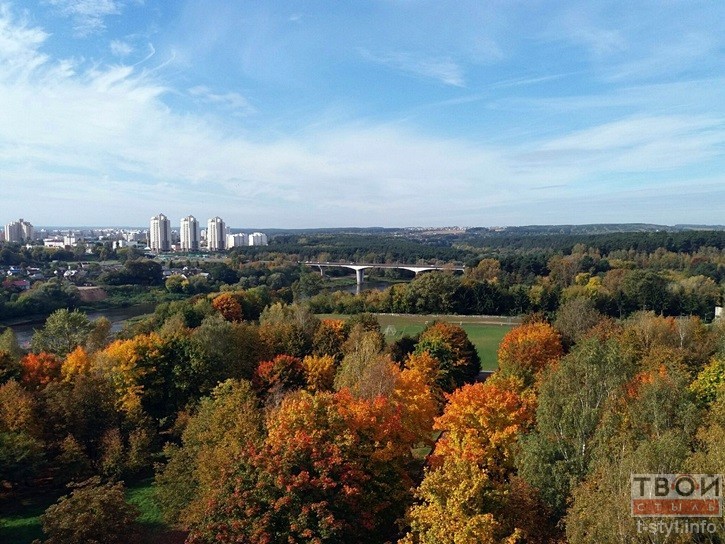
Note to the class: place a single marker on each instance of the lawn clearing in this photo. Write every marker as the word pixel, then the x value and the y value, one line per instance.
pixel 22 525
pixel 484 332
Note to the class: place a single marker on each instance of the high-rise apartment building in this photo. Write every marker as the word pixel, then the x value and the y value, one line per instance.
pixel 215 234
pixel 236 240
pixel 257 239
pixel 190 234
pixel 160 233
pixel 18 231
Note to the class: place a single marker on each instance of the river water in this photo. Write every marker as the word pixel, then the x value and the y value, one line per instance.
pixel 366 286
pixel 117 317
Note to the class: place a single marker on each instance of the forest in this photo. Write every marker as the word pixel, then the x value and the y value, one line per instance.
pixel 249 418
pixel 278 426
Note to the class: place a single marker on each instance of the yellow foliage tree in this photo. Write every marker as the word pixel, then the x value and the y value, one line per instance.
pixel 320 372
pixel 76 362
pixel 456 501
pixel 122 363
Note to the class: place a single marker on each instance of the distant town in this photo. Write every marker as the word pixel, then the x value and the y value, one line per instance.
pixel 160 237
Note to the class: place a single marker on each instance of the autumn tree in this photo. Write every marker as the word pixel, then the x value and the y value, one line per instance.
pixel 458 503
pixel 76 362
pixel 418 402
pixel 93 512
pixel 22 450
pixel 330 338
pixel 332 469
pixel 485 270
pixel 226 423
pixel 281 374
pixel 228 306
pixel 710 381
pixel 455 506
pixel 482 422
pixel 39 369
pixel 458 359
pixel 527 350
pixel 320 372
pixel 365 370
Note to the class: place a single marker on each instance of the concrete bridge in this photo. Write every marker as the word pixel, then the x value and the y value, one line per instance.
pixel 359 267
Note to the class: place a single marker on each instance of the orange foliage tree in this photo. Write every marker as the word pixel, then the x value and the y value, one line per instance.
pixel 417 401
pixel 228 305
pixel 282 373
pixel 481 424
pixel 333 468
pixel 528 349
pixel 39 369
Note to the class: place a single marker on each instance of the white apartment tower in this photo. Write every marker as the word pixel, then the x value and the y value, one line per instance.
pixel 18 231
pixel 236 240
pixel 160 233
pixel 215 234
pixel 257 239
pixel 190 235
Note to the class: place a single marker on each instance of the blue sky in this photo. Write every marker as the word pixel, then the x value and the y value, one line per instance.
pixel 365 113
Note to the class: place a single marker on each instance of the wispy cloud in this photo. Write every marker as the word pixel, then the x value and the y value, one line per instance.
pixel 441 69
pixel 88 15
pixel 677 54
pixel 232 101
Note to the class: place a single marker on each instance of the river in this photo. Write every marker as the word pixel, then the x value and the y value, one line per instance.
pixel 117 317
pixel 366 286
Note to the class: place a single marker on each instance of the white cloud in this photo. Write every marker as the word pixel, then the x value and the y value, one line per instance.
pixel 97 143
pixel 88 15
pixel 441 69
pixel 120 48
pixel 19 44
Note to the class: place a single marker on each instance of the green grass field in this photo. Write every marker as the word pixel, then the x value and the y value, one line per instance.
pixel 22 525
pixel 484 333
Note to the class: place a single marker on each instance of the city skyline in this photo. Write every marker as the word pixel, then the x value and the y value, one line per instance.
pixel 390 114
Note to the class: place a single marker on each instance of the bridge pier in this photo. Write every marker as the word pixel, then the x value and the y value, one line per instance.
pixel 359 275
